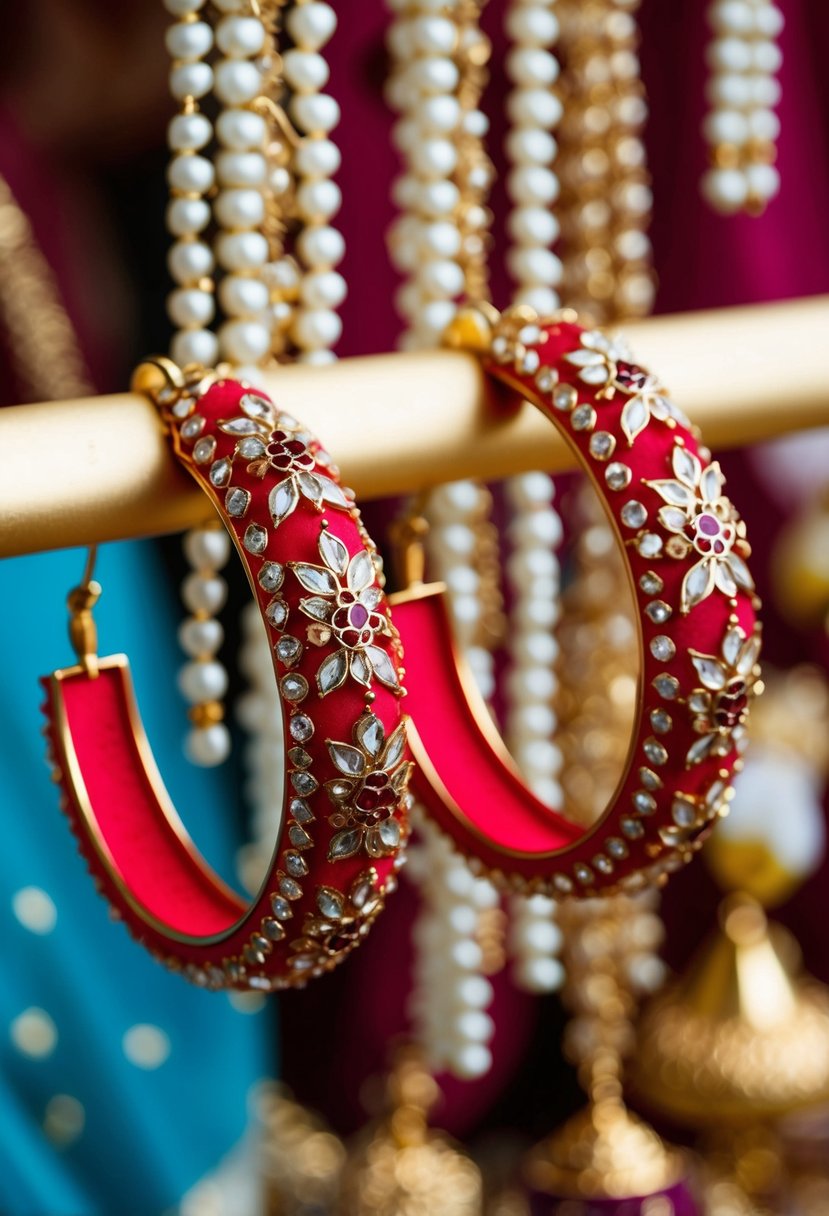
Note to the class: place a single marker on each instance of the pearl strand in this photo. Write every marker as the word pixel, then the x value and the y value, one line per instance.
pixel 316 325
pixel 741 126
pixel 534 111
pixel 203 679
pixel 241 170
pixel 450 996
pixel 190 177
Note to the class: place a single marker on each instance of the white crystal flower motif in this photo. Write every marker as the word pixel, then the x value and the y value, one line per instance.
pixel 343 603
pixel 369 790
pixel 719 708
pixel 696 508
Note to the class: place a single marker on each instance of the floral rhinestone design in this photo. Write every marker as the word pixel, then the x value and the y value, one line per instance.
pixel 696 509
pixel 342 603
pixel 373 781
pixel 343 919
pixel 720 707
pixel 692 814
pixel 607 365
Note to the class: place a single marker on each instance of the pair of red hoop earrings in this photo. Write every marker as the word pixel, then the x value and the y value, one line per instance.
pixel 337 660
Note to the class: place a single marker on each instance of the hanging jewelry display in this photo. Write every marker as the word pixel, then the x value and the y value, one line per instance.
pixel 741 126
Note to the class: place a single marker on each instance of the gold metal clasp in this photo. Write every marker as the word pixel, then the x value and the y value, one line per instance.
pixel 83 633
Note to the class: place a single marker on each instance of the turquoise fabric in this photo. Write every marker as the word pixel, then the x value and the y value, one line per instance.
pixel 148 1133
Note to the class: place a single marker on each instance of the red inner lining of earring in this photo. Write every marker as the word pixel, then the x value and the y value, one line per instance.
pixel 495 799
pixel 163 871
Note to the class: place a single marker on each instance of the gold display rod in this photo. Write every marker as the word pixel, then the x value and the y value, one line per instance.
pixel 98 469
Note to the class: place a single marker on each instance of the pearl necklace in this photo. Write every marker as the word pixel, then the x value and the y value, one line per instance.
pixel 741 126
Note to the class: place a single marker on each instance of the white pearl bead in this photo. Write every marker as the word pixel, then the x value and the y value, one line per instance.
pixel 191 80
pixel 763 180
pixel 725 189
pixel 244 341
pixel 182 8
pixel 532 25
pixel 458 880
pixel 317 158
pixel 434 35
pixel 533 107
pixel 474 1026
pixel 476 123
pixel 208 746
pixel 188 40
pixel 194 346
pixel 311 25
pixel 728 55
pixel 766 57
pixel 472 991
pixel 466 954
pixel 768 20
pixel 532 67
pixel 315 113
pixel 187 216
pixel 764 125
pixel 536 646
pixel 725 126
pixel 530 490
pixel 440 113
pixel 531 184
pixel 437 198
pixel 462 920
pixel 188 132
pixel 530 146
pixel 540 974
pixel 241 168
pixel 441 239
pixel 538 265
pixel 239 208
pixel 733 17
pixel 314 328
pixel 728 89
pixel 241 296
pixel 539 527
pixel 237 81
pixel 200 639
pixel 432 75
pixel 324 290
pixel 433 158
pixel 531 682
pixel 539 757
pixel 318 199
pixel 536 613
pixel 190 174
pixel 240 37
pixel 318 358
pixel 305 70
pixel 202 682
pixel 282 276
pixel 440 278
pixel 437 314
pixel 533 721
pixel 241 250
pixel 207 548
pixel 764 91
pixel 189 261
pixel 472 1061
pixel 321 247
pixel 240 130
pixel 542 300
pixel 189 308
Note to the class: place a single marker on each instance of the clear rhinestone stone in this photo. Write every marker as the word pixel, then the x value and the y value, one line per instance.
pixel 603 864
pixel 667 686
pixel 260 943
pixel 661 721
pixel 272 929
pixel 288 649
pixel 684 813
pixel 301 811
pixel 330 903
pixel 650 545
pixel 583 873
pixel 301 728
pixel 633 514
pixel 659 612
pixel 290 888
pixel 632 828
pixel 250 448
pixel 255 539
pixel 583 418
pixel 192 428
pixel 565 398
pixel 651 583
pixel 295 864
pixel 547 379
pixel 220 472
pixel 644 802
pixel 500 348
pixel 650 779
pixel 237 501
pixel 562 883
pixel 282 910
pixel 616 847
pixel 299 757
pixel 617 475
pixel 298 837
pixel 277 612
pixel 662 648
pixel 271 576
pixel 204 449
pixel 602 445
pixel 183 408
pixel 294 687
pixel 528 363
pixel 529 335
pixel 253 956
pixel 304 784
pixel 655 752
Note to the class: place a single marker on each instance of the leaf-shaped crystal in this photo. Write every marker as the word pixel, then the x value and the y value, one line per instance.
pixel 700 749
pixel 674 492
pixel 310 486
pixel 332 493
pixel 315 579
pixel 686 466
pixel 239 426
pixel 749 656
pixel 370 733
pixel 394 748
pixel 400 777
pixel 711 482
pixel 673 518
pixel 282 500
pixel 584 358
pixel 596 374
pixel 333 552
pixel 256 407
pixel 360 572
pixel 332 672
pixel 635 417
pixel 349 760
pixel 383 667
pixel 732 645
pixel 330 902
pixel 317 608
pixel 724 580
pixel 360 668
pixel 697 585
pixel 345 844
pixel 709 670
pixel 741 573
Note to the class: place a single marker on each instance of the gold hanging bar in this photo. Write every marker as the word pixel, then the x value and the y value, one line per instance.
pixel 98 469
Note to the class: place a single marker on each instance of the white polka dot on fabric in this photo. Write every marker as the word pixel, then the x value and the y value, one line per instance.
pixel 64 1119
pixel 34 1033
pixel 247 1002
pixel 146 1046
pixel 34 909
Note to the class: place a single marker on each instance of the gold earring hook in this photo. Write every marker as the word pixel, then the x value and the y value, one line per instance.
pixel 83 633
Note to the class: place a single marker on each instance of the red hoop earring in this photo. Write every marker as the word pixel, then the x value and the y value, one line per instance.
pixel 336 659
